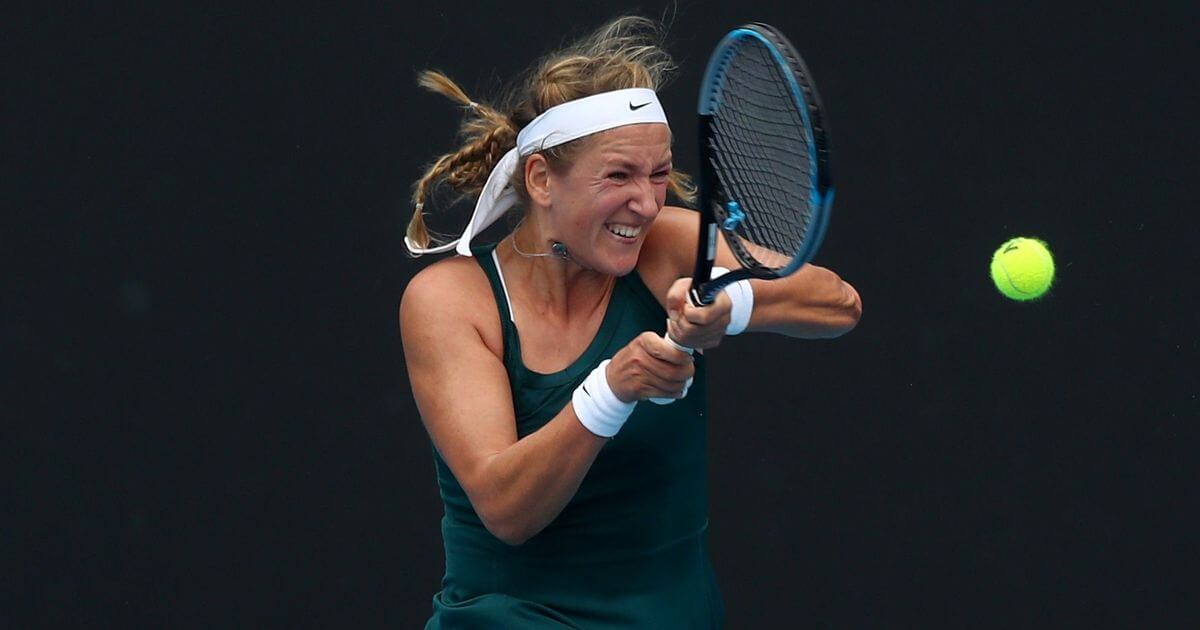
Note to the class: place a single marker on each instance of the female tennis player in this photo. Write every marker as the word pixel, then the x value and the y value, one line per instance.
pixel 572 501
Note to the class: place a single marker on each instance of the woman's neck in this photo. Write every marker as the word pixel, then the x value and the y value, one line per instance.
pixel 551 284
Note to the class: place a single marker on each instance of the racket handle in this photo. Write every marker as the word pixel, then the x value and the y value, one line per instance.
pixel 681 348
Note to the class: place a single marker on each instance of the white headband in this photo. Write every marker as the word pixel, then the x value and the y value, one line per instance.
pixel 558 125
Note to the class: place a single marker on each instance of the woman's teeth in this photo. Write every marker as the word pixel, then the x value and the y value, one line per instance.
pixel 627 231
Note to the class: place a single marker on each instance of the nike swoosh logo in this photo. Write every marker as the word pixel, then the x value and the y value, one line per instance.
pixel 633 107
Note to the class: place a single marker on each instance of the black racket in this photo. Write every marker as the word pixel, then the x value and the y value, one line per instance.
pixel 764 161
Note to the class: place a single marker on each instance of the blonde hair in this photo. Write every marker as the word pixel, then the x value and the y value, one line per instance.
pixel 624 53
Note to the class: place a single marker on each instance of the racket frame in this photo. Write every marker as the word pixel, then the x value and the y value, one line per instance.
pixel 712 211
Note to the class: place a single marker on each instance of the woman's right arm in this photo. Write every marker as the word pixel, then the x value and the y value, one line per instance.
pixel 517 487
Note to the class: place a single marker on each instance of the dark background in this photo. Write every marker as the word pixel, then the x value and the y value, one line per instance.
pixel 206 416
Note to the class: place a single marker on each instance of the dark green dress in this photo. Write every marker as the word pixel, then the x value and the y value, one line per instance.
pixel 629 549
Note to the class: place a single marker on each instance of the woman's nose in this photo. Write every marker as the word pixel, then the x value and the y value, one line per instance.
pixel 644 199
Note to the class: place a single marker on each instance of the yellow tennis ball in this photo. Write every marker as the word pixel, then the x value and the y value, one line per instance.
pixel 1023 268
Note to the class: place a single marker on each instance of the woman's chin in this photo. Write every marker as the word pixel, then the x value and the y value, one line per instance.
pixel 614 265
pixel 622 266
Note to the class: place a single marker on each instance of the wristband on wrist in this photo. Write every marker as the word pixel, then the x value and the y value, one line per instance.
pixel 741 295
pixel 597 407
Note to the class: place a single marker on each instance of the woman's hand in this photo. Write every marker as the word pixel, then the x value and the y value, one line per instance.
pixel 649 367
pixel 699 327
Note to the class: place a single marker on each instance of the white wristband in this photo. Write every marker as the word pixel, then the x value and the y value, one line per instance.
pixel 597 407
pixel 742 296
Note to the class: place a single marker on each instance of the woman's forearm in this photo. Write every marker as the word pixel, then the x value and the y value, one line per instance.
pixel 530 482
pixel 815 303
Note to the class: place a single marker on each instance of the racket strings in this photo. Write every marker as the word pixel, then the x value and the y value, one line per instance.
pixel 768 188
pixel 762 156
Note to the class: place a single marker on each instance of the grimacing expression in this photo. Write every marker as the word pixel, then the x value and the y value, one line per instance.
pixel 602 207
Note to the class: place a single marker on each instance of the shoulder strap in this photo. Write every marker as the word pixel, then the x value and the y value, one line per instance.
pixel 486 256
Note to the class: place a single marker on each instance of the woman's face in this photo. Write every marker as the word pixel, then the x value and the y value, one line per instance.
pixel 602 207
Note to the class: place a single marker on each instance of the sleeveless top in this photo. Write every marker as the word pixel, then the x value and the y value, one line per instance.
pixel 629 548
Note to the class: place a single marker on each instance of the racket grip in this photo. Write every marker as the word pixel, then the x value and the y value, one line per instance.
pixel 681 348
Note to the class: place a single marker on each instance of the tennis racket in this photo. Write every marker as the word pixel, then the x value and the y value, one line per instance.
pixel 764 162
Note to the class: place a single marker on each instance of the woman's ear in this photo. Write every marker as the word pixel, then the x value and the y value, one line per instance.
pixel 537 179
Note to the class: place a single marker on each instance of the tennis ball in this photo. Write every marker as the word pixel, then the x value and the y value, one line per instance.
pixel 1023 268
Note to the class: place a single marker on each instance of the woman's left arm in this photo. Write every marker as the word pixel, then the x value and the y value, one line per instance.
pixel 813 303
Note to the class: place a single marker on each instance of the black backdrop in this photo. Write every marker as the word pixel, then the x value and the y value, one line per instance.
pixel 206 415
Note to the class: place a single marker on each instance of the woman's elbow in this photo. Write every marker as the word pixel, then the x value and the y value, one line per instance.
pixel 508 526
pixel 498 506
pixel 848 311
pixel 514 539
pixel 508 531
pixel 853 304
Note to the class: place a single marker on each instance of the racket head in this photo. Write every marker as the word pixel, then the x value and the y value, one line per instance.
pixel 765 181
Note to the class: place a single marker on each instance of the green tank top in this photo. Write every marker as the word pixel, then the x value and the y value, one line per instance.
pixel 629 549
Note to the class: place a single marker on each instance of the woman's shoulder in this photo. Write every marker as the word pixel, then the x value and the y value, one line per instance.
pixel 677 216
pixel 670 248
pixel 441 275
pixel 673 234
pixel 449 294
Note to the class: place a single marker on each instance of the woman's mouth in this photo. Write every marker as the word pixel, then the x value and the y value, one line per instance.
pixel 624 231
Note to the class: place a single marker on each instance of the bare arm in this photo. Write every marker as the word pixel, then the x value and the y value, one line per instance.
pixel 517 487
pixel 812 303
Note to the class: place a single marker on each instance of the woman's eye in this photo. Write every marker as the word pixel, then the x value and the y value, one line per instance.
pixel 661 176
pixel 619 176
